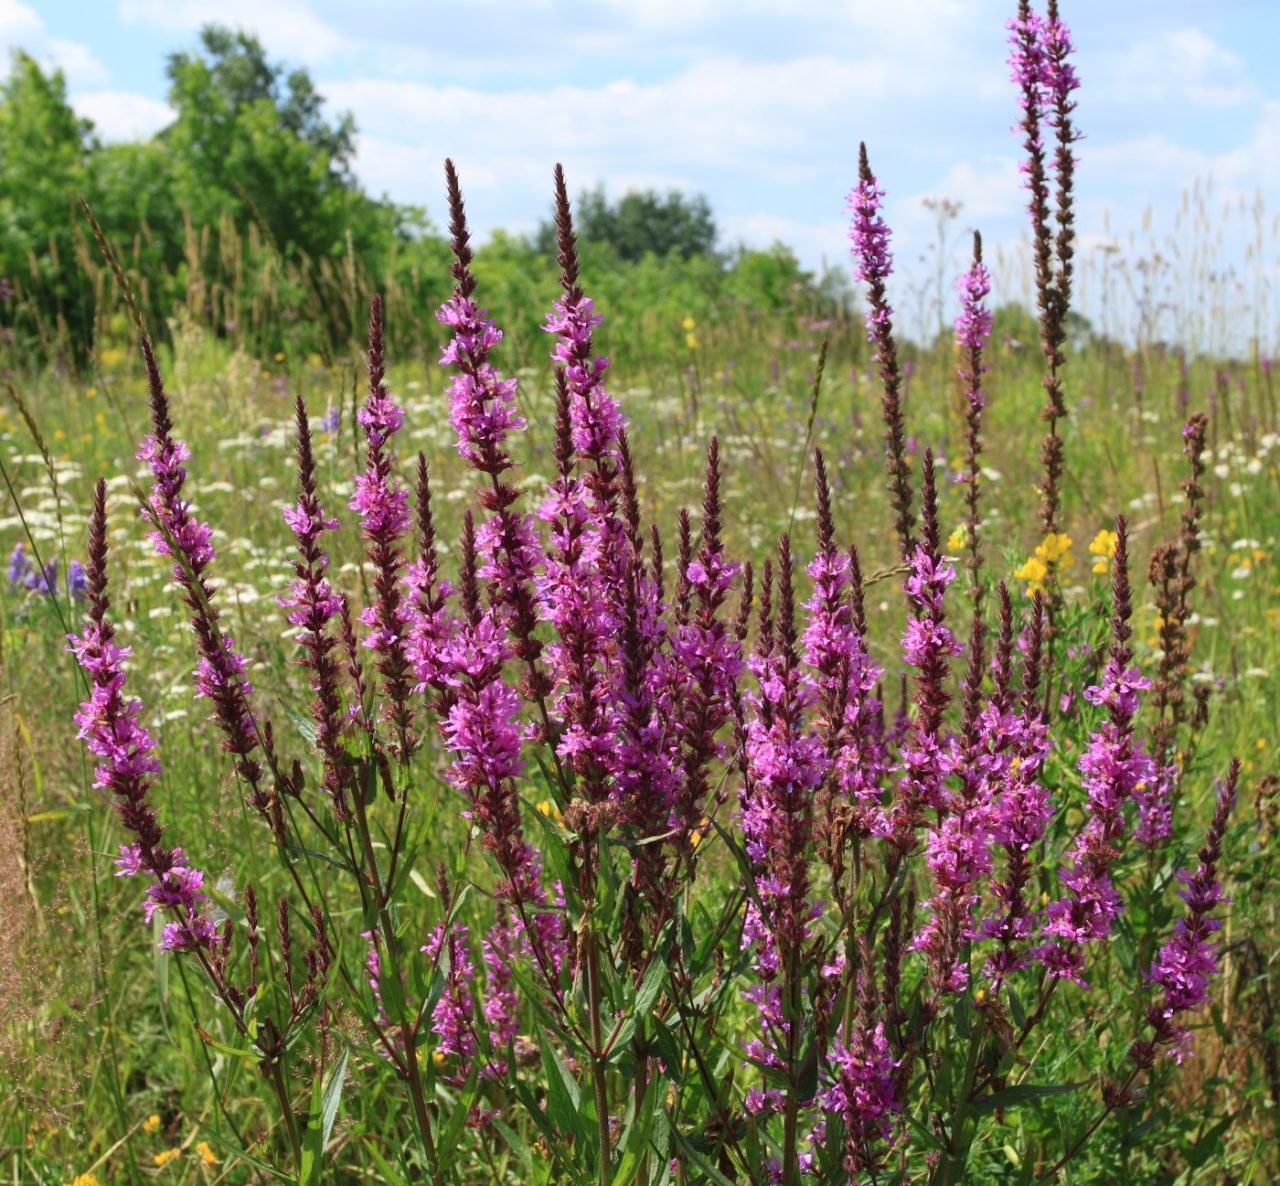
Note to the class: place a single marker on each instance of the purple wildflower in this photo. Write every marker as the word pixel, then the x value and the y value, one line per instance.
pixel 77 581
pixel 112 731
pixel 313 604
pixel 873 262
pixel 451 1020
pixel 178 533
pixel 927 645
pixel 1021 808
pixel 18 565
pixel 973 325
pixel 383 505
pixel 431 626
pixel 1113 765
pixel 786 763
pixel 484 733
pixel 846 681
pixel 500 1004
pixel 872 259
pixel 864 1095
pixel 1189 960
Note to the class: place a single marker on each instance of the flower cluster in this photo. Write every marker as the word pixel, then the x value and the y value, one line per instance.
pixel 1051 556
pixel 25 573
pixel 1103 547
pixel 128 767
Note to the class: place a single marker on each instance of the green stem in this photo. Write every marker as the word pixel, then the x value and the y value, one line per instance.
pixel 599 1065
pixel 276 1074
pixel 791 1118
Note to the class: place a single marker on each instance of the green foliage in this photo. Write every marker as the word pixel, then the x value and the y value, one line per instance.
pixel 44 148
pixel 640 223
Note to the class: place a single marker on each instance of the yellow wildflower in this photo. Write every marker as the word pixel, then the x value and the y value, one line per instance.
pixel 1055 550
pixel 206 1153
pixel 1104 548
pixel 85 1180
pixel 90 392
pixel 689 325
pixel 691 340
pixel 151 1123
pixel 167 1155
pixel 1034 572
pixel 548 808
pixel 279 358
pixel 957 539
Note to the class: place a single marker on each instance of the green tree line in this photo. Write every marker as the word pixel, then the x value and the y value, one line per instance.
pixel 244 214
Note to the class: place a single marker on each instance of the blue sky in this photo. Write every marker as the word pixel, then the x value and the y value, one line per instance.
pixel 759 104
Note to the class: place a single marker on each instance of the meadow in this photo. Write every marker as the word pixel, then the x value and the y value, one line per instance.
pixel 432 946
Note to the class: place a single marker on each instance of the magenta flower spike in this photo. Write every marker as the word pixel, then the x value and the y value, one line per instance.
pixel 110 726
pixel 1114 765
pixel 220 671
pixel 313 605
pixel 1188 962
pixel 928 646
pixel 872 265
pixel 383 505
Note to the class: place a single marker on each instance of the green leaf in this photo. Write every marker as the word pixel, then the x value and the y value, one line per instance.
pixel 451 1132
pixel 564 1098
pixel 326 1096
pixel 1021 1093
pixel 687 1150
pixel 305 726
pixel 333 1096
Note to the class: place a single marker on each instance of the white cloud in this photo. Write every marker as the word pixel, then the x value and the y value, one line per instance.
pixel 289 27
pixel 1182 66
pixel 122 115
pixel 22 28
pixel 813 243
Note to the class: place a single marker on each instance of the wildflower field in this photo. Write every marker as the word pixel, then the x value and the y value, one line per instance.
pixel 679 740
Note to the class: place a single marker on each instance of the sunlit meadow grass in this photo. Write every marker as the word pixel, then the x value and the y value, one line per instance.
pixel 97 1047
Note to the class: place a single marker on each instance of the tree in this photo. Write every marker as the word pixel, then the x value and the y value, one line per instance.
pixel 44 148
pixel 641 222
pixel 250 140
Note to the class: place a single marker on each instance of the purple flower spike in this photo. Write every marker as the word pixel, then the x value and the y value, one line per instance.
pixel 383 505
pixel 1189 960
pixel 872 259
pixel 865 1095
pixel 1114 766
pixel 973 326
pixel 452 1020
pixel 178 533
pixel 111 728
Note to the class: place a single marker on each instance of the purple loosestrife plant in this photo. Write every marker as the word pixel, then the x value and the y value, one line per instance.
pixel 873 263
pixel 699 911
pixel 383 506
pixel 313 606
pixel 927 646
pixel 127 763
pixel 1188 962
pixel 973 329
pixel 1040 48
pixel 1114 765
pixel 220 670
